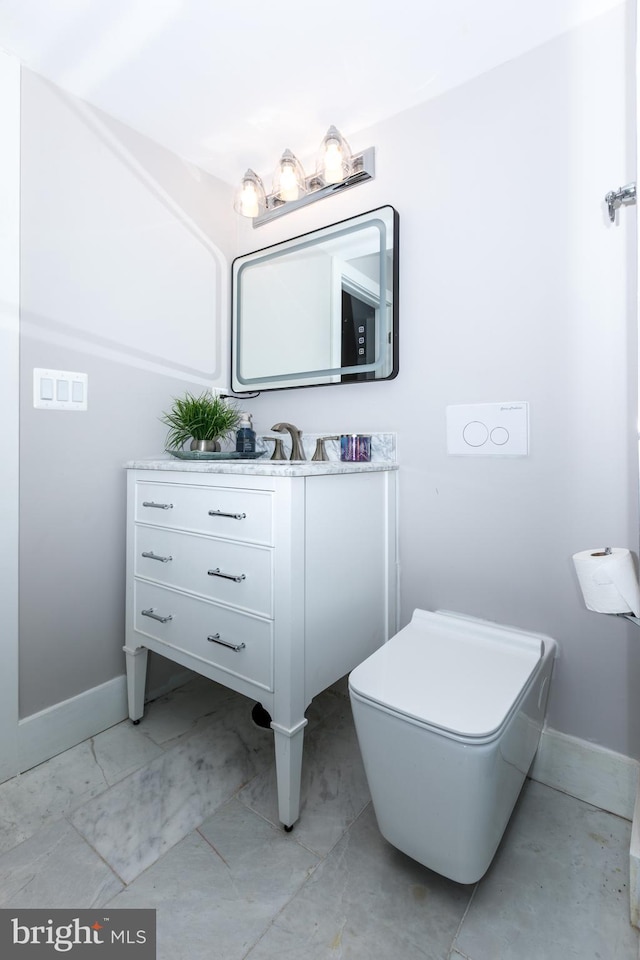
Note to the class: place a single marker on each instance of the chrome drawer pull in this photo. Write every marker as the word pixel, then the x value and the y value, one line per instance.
pixel 226 643
pixel 236 577
pixel 160 506
pixel 234 516
pixel 150 555
pixel 155 616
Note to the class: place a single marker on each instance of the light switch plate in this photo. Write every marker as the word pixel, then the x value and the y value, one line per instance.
pixel 59 389
pixel 488 429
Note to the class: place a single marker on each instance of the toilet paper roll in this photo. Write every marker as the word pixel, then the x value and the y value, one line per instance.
pixel 608 581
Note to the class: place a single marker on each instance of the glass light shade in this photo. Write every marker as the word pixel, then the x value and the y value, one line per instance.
pixel 334 157
pixel 250 197
pixel 289 179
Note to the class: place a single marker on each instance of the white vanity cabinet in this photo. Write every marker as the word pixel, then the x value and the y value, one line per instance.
pixel 272 580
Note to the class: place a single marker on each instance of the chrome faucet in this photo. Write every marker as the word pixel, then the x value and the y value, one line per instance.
pixel 297 450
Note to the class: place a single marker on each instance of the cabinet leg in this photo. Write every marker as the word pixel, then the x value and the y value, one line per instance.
pixel 288 744
pixel 136 660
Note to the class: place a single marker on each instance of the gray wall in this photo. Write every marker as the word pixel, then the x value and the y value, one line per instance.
pixel 120 279
pixel 513 286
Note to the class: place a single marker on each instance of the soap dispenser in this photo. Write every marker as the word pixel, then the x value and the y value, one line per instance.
pixel 245 435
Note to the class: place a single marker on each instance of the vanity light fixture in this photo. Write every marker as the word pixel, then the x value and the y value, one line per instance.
pixel 336 169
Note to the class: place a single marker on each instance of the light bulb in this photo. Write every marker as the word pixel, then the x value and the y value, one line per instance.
pixel 289 189
pixel 334 157
pixel 249 200
pixel 333 162
pixel 289 179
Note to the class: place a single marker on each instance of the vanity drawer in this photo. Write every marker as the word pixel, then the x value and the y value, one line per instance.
pixel 239 574
pixel 235 514
pixel 202 629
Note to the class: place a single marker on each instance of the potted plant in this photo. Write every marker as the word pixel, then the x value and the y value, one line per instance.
pixel 205 420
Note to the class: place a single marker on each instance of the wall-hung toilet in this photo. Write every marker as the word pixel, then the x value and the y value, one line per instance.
pixel 448 716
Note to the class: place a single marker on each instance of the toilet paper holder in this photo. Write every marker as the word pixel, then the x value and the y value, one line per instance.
pixel 627 616
pixel 626 582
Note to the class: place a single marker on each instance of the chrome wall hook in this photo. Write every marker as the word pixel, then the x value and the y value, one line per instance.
pixel 615 198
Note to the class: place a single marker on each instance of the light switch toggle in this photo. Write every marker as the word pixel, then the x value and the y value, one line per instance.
pixel 46 388
pixel 77 391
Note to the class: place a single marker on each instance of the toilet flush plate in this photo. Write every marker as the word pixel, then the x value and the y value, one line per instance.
pixel 488 429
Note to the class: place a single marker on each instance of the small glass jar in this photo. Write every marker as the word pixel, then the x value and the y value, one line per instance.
pixel 355 448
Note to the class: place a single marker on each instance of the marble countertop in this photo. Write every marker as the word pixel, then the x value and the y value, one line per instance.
pixel 262 467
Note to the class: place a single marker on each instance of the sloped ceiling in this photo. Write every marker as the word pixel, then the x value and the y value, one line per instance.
pixel 228 85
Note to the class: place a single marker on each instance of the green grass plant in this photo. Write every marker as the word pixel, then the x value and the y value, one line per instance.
pixel 207 417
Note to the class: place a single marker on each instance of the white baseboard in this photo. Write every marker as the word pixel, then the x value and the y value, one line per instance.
pixel 45 734
pixel 584 770
pixel 51 731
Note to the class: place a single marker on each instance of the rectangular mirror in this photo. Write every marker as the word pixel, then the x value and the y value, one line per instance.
pixel 319 309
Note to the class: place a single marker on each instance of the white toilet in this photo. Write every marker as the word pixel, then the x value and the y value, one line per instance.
pixel 448 715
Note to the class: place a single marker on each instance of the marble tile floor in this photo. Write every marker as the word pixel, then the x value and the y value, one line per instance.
pixel 178 814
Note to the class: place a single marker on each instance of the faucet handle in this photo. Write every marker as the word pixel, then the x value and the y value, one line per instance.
pixel 278 449
pixel 320 451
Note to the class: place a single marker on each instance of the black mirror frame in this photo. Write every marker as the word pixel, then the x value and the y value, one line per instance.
pixel 395 285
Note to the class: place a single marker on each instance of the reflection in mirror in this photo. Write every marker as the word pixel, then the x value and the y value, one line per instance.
pixel 319 309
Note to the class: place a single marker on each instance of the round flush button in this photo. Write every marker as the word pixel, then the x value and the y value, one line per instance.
pixel 499 435
pixel 475 433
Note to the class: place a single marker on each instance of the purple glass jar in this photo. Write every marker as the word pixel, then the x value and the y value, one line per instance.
pixel 355 448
